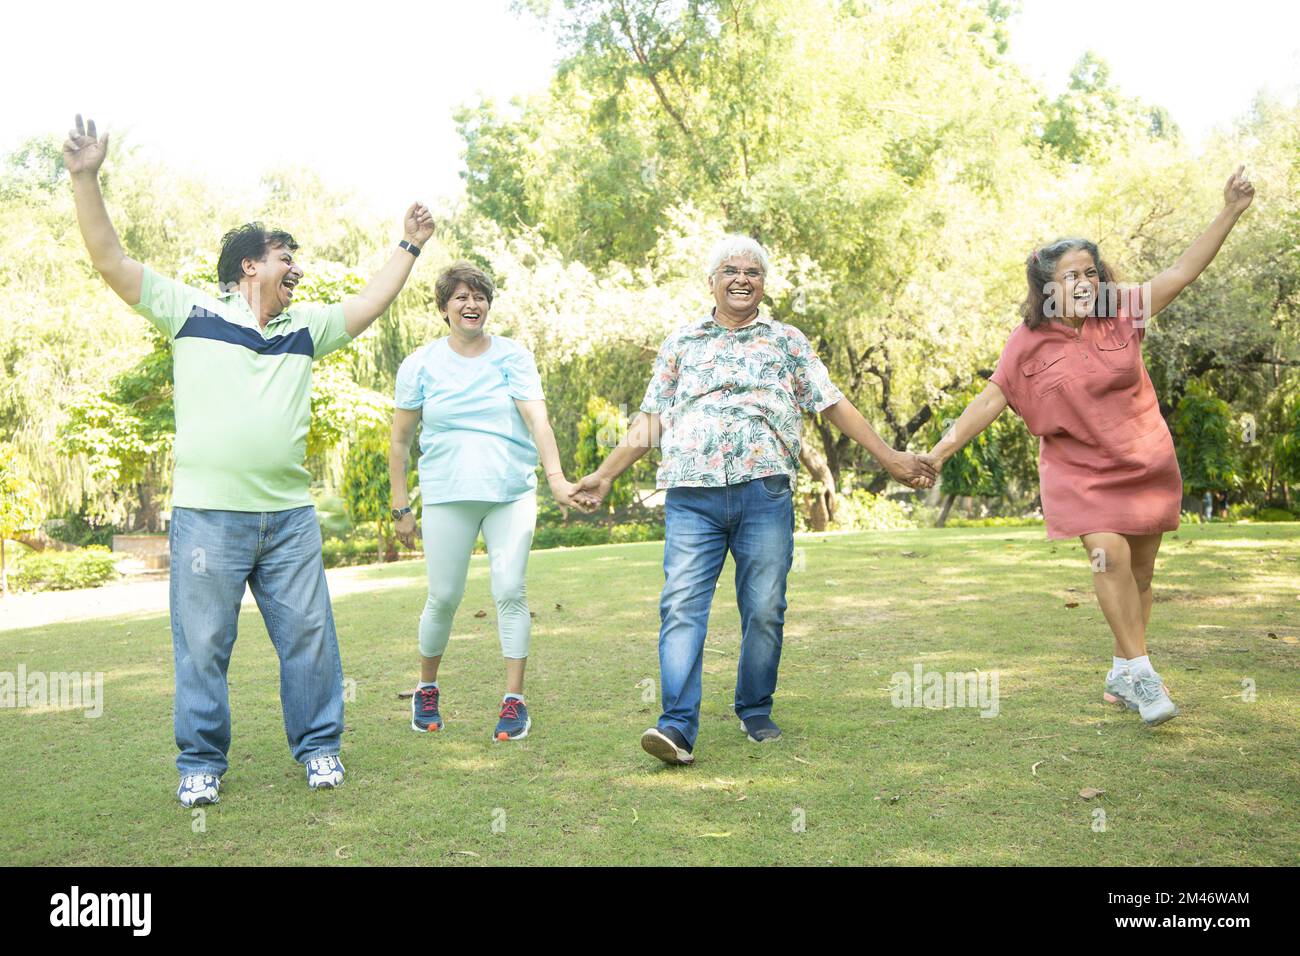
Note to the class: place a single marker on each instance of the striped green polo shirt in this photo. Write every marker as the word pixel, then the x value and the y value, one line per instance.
pixel 243 394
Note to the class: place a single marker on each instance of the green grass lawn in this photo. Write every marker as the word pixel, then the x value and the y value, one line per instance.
pixel 871 783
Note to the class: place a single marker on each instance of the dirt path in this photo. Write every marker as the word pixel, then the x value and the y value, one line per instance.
pixel 147 597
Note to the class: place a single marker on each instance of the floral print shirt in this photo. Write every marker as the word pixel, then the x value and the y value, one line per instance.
pixel 730 401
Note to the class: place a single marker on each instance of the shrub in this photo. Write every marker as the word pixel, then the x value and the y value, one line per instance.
pixel 860 510
pixel 63 570
pixel 639 531
pixel 1274 514
pixel 574 536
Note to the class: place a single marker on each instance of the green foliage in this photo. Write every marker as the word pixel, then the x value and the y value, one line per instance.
pixel 1286 446
pixel 1092 116
pixel 602 429
pixel 860 510
pixel 1001 457
pixel 64 570
pixel 20 504
pixel 365 487
pixel 1205 438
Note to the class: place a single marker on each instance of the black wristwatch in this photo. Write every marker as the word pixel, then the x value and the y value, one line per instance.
pixel 410 247
pixel 400 513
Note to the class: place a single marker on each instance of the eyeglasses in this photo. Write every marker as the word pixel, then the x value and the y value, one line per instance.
pixel 731 272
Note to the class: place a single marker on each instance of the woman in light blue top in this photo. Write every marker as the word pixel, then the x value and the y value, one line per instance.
pixel 478 401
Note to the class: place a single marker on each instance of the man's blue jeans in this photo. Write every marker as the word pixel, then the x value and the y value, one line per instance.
pixel 755 521
pixel 278 554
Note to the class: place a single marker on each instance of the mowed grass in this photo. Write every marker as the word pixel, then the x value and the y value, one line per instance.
pixel 855 780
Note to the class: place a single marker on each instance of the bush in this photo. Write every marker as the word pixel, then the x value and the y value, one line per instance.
pixel 63 570
pixel 574 536
pixel 1273 514
pixel 860 510
pixel 344 552
pixel 78 529
pixel 627 533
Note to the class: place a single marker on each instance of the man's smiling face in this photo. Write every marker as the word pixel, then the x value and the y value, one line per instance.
pixel 737 286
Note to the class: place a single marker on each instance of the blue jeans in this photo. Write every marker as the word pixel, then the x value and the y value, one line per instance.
pixel 278 555
pixel 755 521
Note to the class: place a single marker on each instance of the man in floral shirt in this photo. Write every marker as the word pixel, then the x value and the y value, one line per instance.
pixel 725 406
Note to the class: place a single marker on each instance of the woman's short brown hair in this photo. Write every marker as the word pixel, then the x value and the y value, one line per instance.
pixel 454 275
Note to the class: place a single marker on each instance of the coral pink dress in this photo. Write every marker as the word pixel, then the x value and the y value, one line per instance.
pixel 1106 459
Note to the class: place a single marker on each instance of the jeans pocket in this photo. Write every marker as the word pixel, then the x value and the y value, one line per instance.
pixel 775 486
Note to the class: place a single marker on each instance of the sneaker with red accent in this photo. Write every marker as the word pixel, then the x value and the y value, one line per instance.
pixel 514 722
pixel 424 710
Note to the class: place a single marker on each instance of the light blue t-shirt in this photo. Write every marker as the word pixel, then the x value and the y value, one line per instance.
pixel 474 444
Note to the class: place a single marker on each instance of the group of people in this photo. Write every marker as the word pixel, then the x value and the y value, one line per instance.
pixel 724 406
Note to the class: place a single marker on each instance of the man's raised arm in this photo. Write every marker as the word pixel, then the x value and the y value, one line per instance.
pixel 83 154
pixel 369 304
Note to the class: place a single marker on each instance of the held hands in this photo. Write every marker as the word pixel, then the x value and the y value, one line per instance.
pixel 407 529
pixel 418 224
pixel 593 489
pixel 84 151
pixel 567 494
pixel 915 471
pixel 1237 193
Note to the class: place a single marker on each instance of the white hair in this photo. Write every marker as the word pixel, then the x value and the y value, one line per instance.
pixel 737 245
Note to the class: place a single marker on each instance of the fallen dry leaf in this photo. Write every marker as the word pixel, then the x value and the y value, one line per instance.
pixel 1089 792
pixel 405 694
pixel 480 613
pixel 712 835
pixel 1071 603
pixel 339 854
pixel 1034 768
pixel 465 853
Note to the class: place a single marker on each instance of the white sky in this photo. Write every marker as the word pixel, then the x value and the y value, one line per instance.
pixel 364 92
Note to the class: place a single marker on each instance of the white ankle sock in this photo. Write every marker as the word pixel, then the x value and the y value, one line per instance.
pixel 427 683
pixel 1140 665
pixel 1118 665
pixel 518 697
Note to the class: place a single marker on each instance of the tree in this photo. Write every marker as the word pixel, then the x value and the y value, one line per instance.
pixel 989 465
pixel 602 429
pixel 127 432
pixel 365 486
pixel 20 505
pixel 1093 116
pixel 882 181
pixel 1204 434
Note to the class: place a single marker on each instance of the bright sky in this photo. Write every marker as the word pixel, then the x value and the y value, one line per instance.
pixel 364 92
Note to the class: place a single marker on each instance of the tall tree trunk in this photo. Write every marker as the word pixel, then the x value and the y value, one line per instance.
pixel 821 510
pixel 147 518
pixel 947 506
pixel 4 571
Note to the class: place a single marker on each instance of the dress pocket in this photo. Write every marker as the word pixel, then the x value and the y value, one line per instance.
pixel 1117 354
pixel 1046 372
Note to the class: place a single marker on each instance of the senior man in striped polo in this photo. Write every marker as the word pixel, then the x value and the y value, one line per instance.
pixel 724 405
pixel 241 513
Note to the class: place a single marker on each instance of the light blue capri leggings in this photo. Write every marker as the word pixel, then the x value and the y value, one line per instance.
pixel 450 529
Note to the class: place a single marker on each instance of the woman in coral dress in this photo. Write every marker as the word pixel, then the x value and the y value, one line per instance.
pixel 1108 475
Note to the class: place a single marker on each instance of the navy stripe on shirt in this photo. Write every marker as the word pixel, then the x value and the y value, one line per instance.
pixel 203 324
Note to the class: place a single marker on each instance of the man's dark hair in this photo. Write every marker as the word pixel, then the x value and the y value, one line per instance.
pixel 253 241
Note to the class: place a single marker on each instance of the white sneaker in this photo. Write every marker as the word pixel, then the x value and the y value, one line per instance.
pixel 198 789
pixel 324 772
pixel 1153 699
